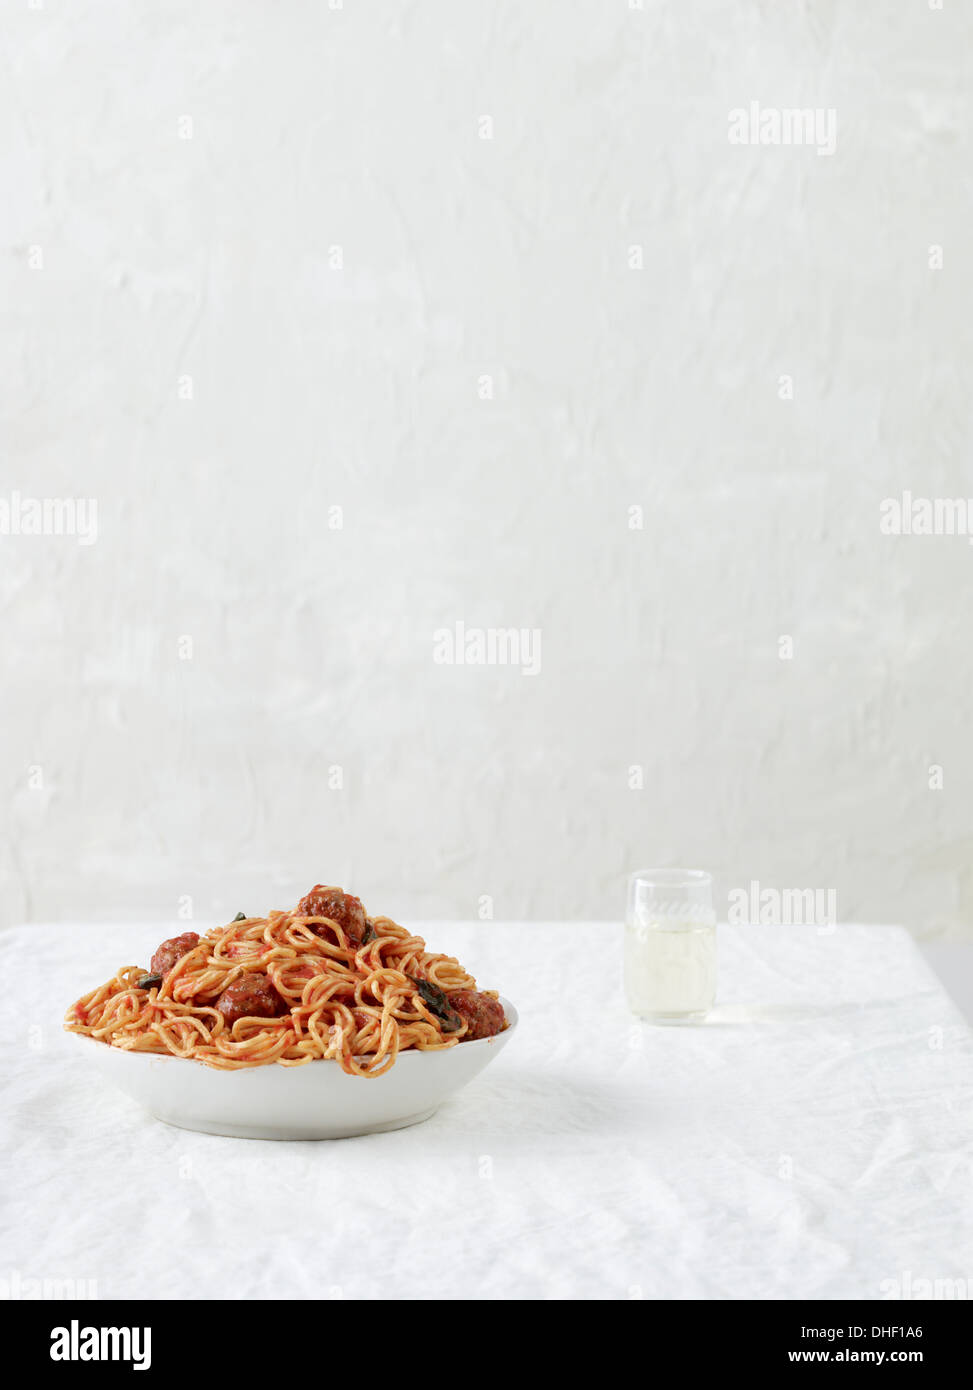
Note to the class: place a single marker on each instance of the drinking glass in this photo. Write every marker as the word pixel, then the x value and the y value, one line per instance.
pixel 670 945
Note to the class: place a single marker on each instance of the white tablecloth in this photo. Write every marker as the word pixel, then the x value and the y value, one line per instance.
pixel 814 1138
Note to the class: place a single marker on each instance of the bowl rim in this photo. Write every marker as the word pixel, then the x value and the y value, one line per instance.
pixel 509 1009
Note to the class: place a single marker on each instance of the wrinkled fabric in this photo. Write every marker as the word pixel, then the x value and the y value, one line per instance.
pixel 814 1138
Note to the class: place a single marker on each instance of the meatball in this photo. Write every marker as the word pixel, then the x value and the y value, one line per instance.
pixel 172 950
pixel 347 912
pixel 250 996
pixel 483 1014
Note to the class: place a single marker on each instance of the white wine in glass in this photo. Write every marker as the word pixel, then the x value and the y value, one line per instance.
pixel 670 945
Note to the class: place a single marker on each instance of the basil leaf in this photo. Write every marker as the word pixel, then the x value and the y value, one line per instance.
pixel 433 996
pixel 437 1002
pixel 241 917
pixel 147 981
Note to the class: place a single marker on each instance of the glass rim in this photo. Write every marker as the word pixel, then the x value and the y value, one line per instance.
pixel 671 878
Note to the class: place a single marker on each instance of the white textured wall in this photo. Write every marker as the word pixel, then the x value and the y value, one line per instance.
pixel 315 387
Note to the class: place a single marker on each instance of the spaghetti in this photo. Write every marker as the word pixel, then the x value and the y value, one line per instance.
pixel 321 982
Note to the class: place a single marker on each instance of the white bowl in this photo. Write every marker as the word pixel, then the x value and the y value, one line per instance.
pixel 316 1101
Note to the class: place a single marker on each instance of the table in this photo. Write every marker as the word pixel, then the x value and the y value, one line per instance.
pixel 814 1138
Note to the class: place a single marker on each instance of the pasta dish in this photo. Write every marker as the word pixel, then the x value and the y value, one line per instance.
pixel 321 982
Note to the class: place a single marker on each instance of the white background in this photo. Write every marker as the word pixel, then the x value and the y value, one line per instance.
pixel 134 779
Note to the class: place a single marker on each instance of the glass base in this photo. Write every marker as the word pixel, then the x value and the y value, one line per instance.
pixel 674 1018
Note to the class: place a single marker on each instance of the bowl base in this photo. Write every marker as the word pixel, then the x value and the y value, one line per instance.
pixel 304 1132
